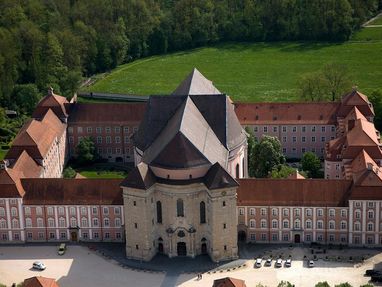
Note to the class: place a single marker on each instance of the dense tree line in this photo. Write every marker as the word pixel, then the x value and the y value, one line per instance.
pixel 56 42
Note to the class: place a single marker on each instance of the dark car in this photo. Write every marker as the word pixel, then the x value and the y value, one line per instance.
pixel 373 272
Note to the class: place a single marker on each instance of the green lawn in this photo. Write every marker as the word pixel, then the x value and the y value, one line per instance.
pixel 248 72
pixel 368 34
pixel 103 174
pixel 377 21
pixel 3 153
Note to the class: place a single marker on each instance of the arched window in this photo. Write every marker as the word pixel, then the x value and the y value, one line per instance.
pixel 202 212
pixel 179 208
pixel 95 222
pixel 308 224
pixel 159 212
pixel 38 210
pixel 28 222
pixel 252 223
pixel 3 224
pixel 106 222
pixel 274 224
pixel 332 224
pixel 285 223
pixel 40 222
pixel 73 222
pixel 15 223
pixel 50 222
pixel 2 211
pixel 343 225
pixel 297 224
pixel 61 222
pixel 237 170
pixel 117 222
pixel 14 211
pixel 84 222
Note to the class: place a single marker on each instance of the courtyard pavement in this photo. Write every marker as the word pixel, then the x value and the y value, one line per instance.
pixel 105 265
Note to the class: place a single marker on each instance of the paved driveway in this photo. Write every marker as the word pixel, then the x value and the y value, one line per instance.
pixel 78 267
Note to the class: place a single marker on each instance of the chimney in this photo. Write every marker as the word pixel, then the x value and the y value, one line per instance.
pixel 50 91
pixel 4 164
pixel 369 166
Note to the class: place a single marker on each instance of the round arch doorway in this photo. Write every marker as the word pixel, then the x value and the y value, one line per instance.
pixel 181 249
pixel 241 236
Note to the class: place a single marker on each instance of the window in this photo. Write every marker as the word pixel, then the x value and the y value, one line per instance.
pixel 105 211
pixel 127 139
pixel 274 224
pixel 294 139
pixel 61 210
pixel 202 212
pixel 40 222
pixel 263 223
pixel 63 235
pixel 297 224
pixel 70 130
pixel 286 212
pixel 343 225
pixel 358 214
pixel 30 235
pixel 79 130
pixel 323 129
pixel 179 208
pixel 343 212
pixel 332 212
pixel 313 129
pixel 255 129
pixel 252 211
pixel 50 222
pixel 265 129
pixel 224 226
pixel 94 210
pixel 308 224
pixel 89 130
pixel 72 211
pixel 370 226
pixel 83 210
pixel 96 235
pixel 237 171
pixel 370 204
pixel 294 129
pixel 15 223
pixel 106 222
pixel 333 129
pixel 263 237
pixel 118 235
pixel 126 130
pixel 50 210
pixel 3 224
pixel 357 226
pixel 274 237
pixel 241 211
pixel 320 224
pixel 108 139
pixel 323 139
pixel 117 210
pixel 284 139
pixel 313 139
pixel 332 224
pixel 117 140
pixel 309 212
pixel 275 129
pixel 117 222
pixel 84 222
pixel 41 235
pixel 159 212
pixel 284 129
pixel 98 130
pixel 108 130
pixel 297 212
pixel 253 237
pixel 95 222
pixel 61 222
pixel 107 235
pixel 308 237
pixel 27 211
pixel 303 129
pixel 303 139
pixel 99 139
pixel 320 238
pixel 28 222
pixel 117 130
pixel 2 212
pixel 274 212
pixel 285 224
pixel 285 237
pixel 331 237
pixel 320 212
pixel 73 222
pixel 263 212
pixel 252 223
pixel 357 204
pixel 14 211
pixel 370 214
pixel 223 203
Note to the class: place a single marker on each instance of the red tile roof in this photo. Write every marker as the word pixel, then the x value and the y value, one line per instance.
pixel 72 191
pixel 54 102
pixel 355 98
pixel 26 165
pixel 286 113
pixel 292 192
pixel 39 281
pixel 10 185
pixel 121 113
pixel 229 282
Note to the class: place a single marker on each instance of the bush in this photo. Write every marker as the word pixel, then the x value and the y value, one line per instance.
pixel 69 172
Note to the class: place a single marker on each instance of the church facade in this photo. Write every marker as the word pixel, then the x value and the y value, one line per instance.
pixel 189 192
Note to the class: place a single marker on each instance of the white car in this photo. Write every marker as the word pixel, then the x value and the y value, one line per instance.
pixel 39 265
pixel 279 263
pixel 288 262
pixel 310 263
pixel 258 262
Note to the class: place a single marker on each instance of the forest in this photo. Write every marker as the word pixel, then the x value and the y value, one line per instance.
pixel 58 42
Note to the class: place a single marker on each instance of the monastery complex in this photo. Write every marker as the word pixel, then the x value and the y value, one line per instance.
pixel 189 191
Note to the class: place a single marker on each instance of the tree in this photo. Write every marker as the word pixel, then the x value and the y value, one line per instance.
pixel 26 96
pixel 322 284
pixel 285 284
pixel 282 171
pixel 346 284
pixel 267 155
pixel 69 172
pixel 337 79
pixel 312 87
pixel 311 164
pixel 251 151
pixel 86 151
pixel 376 99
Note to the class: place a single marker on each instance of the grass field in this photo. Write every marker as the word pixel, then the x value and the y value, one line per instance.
pixel 251 72
pixel 103 174
pixel 377 21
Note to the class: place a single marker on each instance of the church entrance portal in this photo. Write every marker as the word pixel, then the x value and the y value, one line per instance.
pixel 182 249
pixel 204 248
pixel 160 247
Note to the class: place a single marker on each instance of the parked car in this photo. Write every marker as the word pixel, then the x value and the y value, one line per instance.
pixel 258 262
pixel 372 272
pixel 268 262
pixel 39 265
pixel 279 263
pixel 62 249
pixel 310 263
pixel 288 262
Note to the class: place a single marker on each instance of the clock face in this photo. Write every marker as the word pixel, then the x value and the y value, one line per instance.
pixel 224 193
